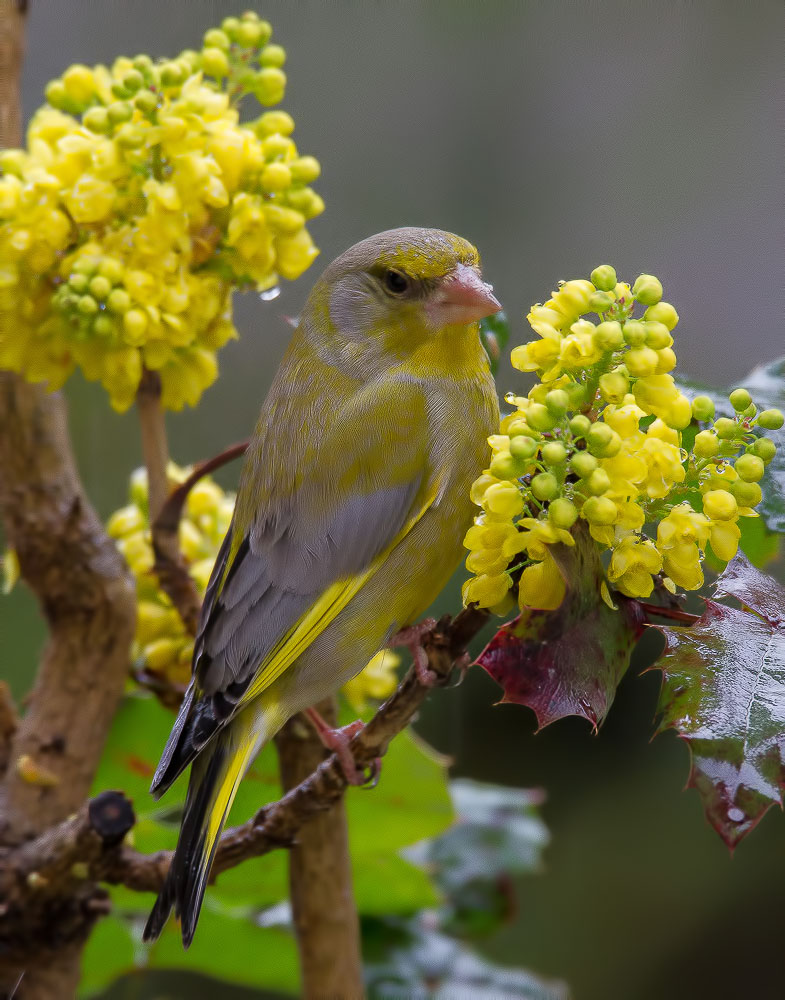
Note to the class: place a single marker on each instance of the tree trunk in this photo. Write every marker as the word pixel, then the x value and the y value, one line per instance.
pixel 320 877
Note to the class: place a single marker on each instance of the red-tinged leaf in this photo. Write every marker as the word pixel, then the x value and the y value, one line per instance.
pixel 568 661
pixel 723 692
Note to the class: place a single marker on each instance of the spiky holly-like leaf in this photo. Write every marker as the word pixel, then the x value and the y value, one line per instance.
pixel 568 661
pixel 723 692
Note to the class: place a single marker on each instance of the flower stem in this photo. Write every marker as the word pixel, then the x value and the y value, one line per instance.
pixel 155 446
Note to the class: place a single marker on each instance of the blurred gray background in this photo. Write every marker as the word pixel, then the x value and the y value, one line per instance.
pixel 556 136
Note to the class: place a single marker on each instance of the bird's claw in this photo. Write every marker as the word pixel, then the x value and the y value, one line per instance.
pixel 337 741
pixel 411 639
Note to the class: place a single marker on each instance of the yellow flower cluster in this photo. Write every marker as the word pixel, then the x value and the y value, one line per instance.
pixel 162 647
pixel 139 203
pixel 598 439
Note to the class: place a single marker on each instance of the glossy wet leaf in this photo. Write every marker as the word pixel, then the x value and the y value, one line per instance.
pixel 494 333
pixel 723 692
pixel 568 661
pixel 416 961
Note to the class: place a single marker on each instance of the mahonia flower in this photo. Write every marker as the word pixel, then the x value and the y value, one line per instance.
pixel 597 441
pixel 139 204
pixel 162 649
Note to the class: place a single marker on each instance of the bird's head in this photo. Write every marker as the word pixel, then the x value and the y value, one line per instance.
pixel 404 289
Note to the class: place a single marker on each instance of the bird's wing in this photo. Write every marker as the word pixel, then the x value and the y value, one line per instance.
pixel 301 545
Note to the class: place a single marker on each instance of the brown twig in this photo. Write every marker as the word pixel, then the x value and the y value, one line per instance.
pixel 170 567
pixel 275 826
pixel 155 447
pixel 662 611
pixel 9 721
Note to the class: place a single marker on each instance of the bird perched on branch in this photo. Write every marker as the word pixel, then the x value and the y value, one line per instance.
pixel 351 510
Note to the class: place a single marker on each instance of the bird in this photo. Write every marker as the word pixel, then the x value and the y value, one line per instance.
pixel 351 509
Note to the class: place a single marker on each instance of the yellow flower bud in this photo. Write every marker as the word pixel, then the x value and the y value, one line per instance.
pixel 749 467
pixel 486 591
pixel 662 312
pixel 599 510
pixel 269 85
pixel 274 121
pixel 604 278
pixel 706 444
pixel 720 505
pixel 503 498
pixel 641 361
pixel 666 360
pixel 614 386
pixel 79 83
pixel 541 586
pixel 647 289
pixel 609 336
pixel 305 169
pixel 134 326
pixel 215 62
pixel 160 653
pixel 634 333
pixel 126 521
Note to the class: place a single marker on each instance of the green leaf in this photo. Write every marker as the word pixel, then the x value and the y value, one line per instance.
pixel 388 885
pixel 108 954
pixel 723 692
pixel 494 334
pixel 233 949
pixel 411 801
pixel 568 661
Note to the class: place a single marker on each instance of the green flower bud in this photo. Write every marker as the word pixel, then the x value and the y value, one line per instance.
pixel 608 336
pixel 703 408
pixel 504 466
pixel 740 399
pixel 119 90
pixel 523 447
pixel 133 80
pixel 577 394
pixel 771 420
pixel 173 73
pixel 142 62
pixel 583 464
pixel 657 335
pixel 726 428
pixel 103 326
pixel 119 112
pixel 266 30
pixel 78 282
pixel 749 467
pixel 520 427
pixel 598 482
pixel 706 444
pixel 230 26
pixel 540 417
pixel 662 312
pixel 97 120
pixel 100 287
pixel 216 39
pixel 87 305
pixel 604 278
pixel 634 333
pixel 57 95
pixel 603 441
pixel 305 169
pixel 600 511
pixel 600 302
pixel 269 85
pixel 647 289
pixel 554 453
pixel 545 486
pixel 118 301
pixel 563 513
pixel 747 494
pixel 146 101
pixel 765 449
pixel 214 62
pixel 614 386
pixel 580 425
pixel 557 402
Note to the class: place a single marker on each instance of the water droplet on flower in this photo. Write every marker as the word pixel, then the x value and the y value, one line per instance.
pixel 735 815
pixel 683 454
pixel 509 397
pixel 270 293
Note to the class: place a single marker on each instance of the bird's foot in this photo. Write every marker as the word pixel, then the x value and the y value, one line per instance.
pixel 411 639
pixel 337 741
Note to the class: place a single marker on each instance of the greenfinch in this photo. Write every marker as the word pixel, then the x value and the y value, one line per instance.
pixel 351 510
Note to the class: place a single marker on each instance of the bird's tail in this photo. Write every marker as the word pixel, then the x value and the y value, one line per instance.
pixel 215 776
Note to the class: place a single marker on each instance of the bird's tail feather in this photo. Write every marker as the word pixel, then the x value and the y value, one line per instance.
pixel 215 776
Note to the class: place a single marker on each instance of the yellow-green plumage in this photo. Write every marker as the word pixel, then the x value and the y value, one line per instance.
pixel 350 515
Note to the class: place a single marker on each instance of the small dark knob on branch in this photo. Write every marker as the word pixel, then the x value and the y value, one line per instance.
pixel 111 816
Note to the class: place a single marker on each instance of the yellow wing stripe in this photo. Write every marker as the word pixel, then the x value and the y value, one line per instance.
pixel 316 619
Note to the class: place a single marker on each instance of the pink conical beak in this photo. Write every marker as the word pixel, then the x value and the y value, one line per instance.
pixel 463 298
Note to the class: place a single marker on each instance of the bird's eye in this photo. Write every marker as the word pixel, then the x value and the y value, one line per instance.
pixel 395 282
